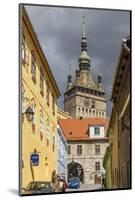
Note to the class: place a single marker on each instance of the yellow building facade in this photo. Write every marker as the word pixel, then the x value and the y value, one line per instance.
pixel 39 98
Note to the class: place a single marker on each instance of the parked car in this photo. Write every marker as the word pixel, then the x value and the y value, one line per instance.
pixel 74 182
pixel 38 188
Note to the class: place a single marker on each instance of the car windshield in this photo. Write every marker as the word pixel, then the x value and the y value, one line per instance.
pixel 37 186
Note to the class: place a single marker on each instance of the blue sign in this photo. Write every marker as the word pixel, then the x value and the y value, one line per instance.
pixel 34 159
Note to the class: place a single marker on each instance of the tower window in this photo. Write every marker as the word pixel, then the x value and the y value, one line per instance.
pixel 93 103
pixel 90 113
pixel 79 110
pixel 82 110
pixel 97 166
pixel 93 113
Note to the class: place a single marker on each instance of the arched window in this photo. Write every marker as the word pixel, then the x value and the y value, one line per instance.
pixel 83 111
pixel 97 114
pixel 89 113
pixel 102 114
pixel 33 66
pixel 79 110
pixel 86 112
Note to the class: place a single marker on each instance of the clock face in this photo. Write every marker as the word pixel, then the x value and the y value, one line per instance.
pixel 86 102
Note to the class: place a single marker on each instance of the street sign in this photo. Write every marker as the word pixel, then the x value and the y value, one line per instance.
pixel 34 159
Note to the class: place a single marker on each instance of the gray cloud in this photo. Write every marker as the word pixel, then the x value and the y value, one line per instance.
pixel 59 31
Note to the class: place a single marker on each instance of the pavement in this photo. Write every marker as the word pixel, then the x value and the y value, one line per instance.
pixel 86 187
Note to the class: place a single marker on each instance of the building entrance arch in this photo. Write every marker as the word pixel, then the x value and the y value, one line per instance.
pixel 75 170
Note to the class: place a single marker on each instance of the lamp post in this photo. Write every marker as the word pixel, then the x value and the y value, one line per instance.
pixel 29 113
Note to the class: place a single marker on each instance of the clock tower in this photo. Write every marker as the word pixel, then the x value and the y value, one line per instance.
pixel 84 98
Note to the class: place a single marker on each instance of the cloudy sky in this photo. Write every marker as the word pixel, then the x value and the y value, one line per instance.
pixel 59 31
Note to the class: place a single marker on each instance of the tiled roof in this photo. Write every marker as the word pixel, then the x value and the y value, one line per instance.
pixel 77 129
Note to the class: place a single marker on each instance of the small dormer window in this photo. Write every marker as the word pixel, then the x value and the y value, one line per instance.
pixel 97 131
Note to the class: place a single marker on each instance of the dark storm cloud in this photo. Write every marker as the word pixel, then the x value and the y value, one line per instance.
pixel 59 31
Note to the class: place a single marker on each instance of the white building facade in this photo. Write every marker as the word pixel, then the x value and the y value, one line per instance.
pixel 86 150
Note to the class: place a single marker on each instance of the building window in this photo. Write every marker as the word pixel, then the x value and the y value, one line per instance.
pixel 97 149
pixel 53 104
pixel 41 82
pixel 97 131
pixel 53 139
pixel 25 52
pixel 33 66
pixel 47 93
pixel 102 114
pixel 23 48
pixel 97 166
pixel 41 122
pixel 90 113
pixel 69 149
pixel 33 105
pixel 79 149
pixel 47 131
pixel 97 114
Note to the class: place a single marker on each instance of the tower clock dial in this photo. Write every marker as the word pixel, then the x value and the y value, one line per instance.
pixel 86 102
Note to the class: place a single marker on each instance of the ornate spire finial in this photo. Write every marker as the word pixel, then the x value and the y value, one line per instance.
pixel 84 21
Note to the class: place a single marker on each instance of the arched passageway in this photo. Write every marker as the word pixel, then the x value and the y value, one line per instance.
pixel 75 170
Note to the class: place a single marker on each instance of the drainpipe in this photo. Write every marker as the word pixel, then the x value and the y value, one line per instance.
pixel 117 118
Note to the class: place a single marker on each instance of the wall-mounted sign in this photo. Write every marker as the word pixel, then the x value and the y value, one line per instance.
pixel 34 159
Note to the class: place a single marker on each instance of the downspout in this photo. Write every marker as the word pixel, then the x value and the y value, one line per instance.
pixel 117 119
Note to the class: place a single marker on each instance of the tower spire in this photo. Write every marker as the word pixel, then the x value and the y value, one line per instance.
pixel 84 60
